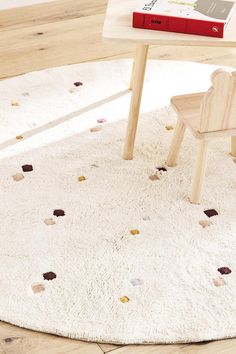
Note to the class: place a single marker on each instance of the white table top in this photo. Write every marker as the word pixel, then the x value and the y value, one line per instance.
pixel 118 27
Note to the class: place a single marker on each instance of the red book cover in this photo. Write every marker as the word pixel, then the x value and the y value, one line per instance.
pixel 201 17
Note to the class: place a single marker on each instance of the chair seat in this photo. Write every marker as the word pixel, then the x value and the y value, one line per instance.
pixel 187 105
pixel 188 109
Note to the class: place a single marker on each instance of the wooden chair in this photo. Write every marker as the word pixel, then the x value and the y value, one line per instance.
pixel 208 115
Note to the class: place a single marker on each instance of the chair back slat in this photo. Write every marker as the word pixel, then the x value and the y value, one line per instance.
pixel 218 110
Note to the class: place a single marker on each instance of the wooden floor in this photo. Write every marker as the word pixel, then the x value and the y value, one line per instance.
pixel 66 32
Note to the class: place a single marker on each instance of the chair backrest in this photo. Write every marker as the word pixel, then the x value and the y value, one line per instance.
pixel 218 110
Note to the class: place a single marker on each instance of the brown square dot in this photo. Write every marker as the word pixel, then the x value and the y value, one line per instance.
pixel 27 168
pixel 224 270
pixel 49 276
pixel 210 213
pixel 78 83
pixel 58 212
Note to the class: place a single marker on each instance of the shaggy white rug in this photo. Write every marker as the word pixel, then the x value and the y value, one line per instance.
pixel 94 247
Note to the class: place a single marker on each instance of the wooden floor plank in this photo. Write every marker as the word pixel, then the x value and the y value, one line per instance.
pixel 215 347
pixel 150 349
pixel 47 45
pixel 56 11
pixel 108 347
pixel 15 340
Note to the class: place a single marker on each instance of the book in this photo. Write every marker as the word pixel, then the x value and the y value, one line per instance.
pixel 200 17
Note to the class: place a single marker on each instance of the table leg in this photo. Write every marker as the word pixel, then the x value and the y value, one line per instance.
pixel 131 85
pixel 137 88
pixel 233 146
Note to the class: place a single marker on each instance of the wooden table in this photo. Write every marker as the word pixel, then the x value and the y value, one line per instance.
pixel 118 27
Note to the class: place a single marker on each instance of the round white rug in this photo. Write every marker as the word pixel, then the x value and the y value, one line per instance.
pixel 94 247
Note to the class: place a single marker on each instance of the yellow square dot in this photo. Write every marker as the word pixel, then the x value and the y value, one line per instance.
pixel 135 232
pixel 81 178
pixel 124 299
pixel 169 127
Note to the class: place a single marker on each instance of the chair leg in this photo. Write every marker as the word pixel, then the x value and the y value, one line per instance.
pixel 176 143
pixel 233 146
pixel 199 173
